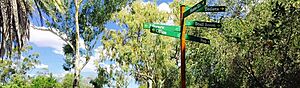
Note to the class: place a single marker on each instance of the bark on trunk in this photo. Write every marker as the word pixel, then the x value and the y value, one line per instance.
pixel 77 54
pixel 76 79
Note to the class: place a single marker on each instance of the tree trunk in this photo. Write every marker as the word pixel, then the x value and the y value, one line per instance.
pixel 76 79
pixel 77 54
pixel 149 82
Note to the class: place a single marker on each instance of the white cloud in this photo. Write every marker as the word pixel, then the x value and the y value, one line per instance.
pixel 46 39
pixel 40 66
pixel 164 7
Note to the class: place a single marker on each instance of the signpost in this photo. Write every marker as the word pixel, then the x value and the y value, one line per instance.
pixel 182 39
pixel 180 31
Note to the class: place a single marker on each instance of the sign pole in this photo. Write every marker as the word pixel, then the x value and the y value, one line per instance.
pixel 173 31
pixel 182 44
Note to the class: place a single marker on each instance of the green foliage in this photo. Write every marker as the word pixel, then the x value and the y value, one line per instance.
pixel 274 46
pixel 68 81
pixel 17 81
pixel 42 81
pixel 247 54
pixel 45 82
pixel 145 56
pixel 101 80
pixel 10 67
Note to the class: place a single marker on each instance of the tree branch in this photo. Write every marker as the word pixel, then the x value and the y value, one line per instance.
pixel 54 31
pixel 144 75
pixel 87 58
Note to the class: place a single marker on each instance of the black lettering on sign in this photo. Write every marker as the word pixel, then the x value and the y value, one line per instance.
pixel 199 24
pixel 199 39
pixel 196 8
pixel 214 9
pixel 207 24
pixel 210 25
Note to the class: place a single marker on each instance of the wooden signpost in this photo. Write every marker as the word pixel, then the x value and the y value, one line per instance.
pixel 180 31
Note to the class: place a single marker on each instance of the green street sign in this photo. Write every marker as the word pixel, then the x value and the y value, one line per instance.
pixel 198 6
pixel 203 24
pixel 173 34
pixel 161 26
pixel 165 32
pixel 210 9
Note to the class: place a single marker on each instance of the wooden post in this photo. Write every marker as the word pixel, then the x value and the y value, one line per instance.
pixel 182 48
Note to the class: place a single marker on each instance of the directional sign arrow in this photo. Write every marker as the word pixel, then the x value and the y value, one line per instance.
pixel 173 34
pixel 161 26
pixel 198 6
pixel 203 24
pixel 210 9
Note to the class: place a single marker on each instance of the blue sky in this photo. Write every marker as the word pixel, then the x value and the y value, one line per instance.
pixel 49 46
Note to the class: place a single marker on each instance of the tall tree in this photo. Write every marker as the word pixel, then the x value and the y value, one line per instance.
pixel 89 17
pixel 77 55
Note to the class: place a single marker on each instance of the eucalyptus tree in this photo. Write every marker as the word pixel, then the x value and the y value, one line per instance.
pixel 75 20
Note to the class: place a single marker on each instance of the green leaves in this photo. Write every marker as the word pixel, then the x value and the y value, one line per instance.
pixel 101 80
pixel 17 67
pixel 45 82
pixel 144 55
pixel 68 81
